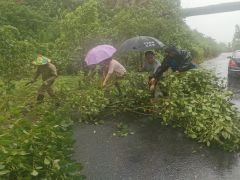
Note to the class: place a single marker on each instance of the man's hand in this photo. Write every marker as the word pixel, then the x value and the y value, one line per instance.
pixel 141 69
pixel 152 81
pixel 177 72
pixel 106 79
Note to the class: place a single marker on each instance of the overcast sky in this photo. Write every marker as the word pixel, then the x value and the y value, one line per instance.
pixel 220 27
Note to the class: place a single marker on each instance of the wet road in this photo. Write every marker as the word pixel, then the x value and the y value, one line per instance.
pixel 219 66
pixel 153 152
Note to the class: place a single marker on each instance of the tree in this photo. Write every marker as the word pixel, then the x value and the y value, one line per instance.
pixel 224 47
pixel 236 38
pixel 23 18
pixel 78 30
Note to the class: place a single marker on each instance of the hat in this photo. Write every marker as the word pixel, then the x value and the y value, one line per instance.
pixel 41 60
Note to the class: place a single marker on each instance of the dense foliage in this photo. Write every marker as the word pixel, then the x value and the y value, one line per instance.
pixel 38 146
pixel 66 30
pixel 225 47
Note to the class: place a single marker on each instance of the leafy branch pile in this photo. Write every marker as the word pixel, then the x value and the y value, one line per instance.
pixel 199 103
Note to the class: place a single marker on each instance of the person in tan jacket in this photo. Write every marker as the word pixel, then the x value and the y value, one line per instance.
pixel 49 75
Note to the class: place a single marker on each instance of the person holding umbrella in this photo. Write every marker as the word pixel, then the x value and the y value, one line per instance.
pixel 140 44
pixel 49 75
pixel 151 65
pixel 178 60
pixel 103 53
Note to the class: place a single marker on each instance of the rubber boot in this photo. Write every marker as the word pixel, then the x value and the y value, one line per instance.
pixel 40 98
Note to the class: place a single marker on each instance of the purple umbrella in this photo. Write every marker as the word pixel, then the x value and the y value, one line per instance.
pixel 99 54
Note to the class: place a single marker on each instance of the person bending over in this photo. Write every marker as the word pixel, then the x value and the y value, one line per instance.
pixel 114 66
pixel 178 60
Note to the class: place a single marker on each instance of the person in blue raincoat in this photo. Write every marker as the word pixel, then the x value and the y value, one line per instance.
pixel 177 60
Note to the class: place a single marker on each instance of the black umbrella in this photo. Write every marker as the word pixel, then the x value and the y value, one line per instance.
pixel 140 43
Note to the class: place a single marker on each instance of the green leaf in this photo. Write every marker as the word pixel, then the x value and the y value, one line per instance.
pixel 23 153
pixel 217 131
pixel 55 163
pixel 208 143
pixel 4 172
pixel 62 163
pixel 5 142
pixel 224 134
pixel 74 169
pixel 31 148
pixel 1 165
pixel 228 118
pixel 194 136
pixel 164 118
pixel 200 124
pixel 46 161
pixel 229 130
pixel 34 173
pixel 189 109
pixel 25 132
